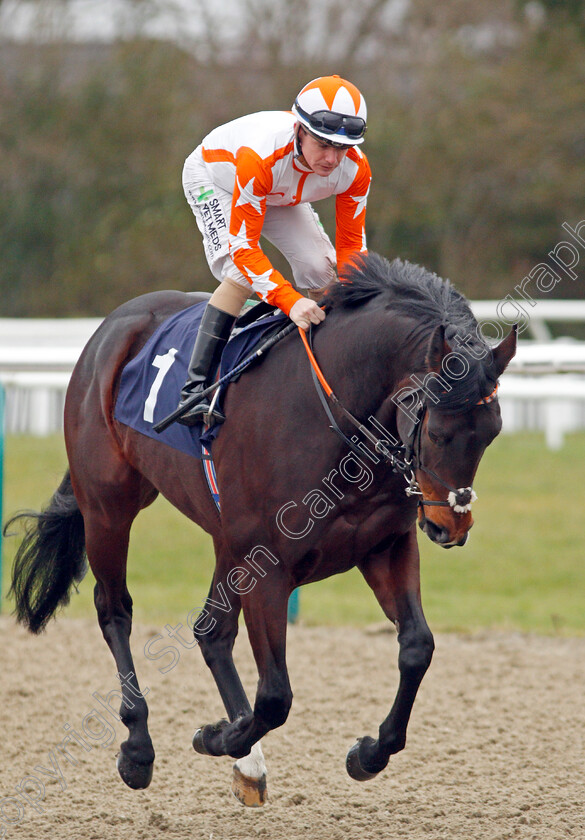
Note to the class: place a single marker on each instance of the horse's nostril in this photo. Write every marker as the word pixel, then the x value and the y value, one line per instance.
pixel 435 532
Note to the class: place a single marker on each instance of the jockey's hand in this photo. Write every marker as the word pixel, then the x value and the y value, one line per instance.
pixel 306 312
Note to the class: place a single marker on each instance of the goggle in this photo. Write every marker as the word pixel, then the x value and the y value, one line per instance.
pixel 330 122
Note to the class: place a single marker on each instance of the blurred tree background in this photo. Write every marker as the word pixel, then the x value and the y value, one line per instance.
pixel 476 135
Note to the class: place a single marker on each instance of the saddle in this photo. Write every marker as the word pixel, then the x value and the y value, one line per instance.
pixel 150 382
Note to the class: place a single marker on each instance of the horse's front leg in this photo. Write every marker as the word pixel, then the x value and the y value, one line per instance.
pixel 394 578
pixel 216 630
pixel 265 611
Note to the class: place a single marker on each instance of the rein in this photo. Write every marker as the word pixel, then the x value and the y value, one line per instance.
pixel 227 377
pixel 403 459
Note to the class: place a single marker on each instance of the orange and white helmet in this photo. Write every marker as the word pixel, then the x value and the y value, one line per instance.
pixel 333 109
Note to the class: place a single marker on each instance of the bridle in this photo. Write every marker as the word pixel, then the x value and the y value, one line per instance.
pixel 460 499
pixel 405 458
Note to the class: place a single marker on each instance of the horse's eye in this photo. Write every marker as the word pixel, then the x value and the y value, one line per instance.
pixel 438 440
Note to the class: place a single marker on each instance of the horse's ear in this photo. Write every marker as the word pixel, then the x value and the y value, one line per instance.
pixel 437 350
pixel 505 351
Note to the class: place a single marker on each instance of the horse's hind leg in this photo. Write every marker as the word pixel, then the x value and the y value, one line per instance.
pixel 394 578
pixel 107 532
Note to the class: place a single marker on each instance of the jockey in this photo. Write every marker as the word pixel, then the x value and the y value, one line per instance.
pixel 256 176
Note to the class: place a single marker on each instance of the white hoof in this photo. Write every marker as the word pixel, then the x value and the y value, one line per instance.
pixel 249 779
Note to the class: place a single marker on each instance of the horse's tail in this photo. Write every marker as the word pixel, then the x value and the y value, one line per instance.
pixel 50 559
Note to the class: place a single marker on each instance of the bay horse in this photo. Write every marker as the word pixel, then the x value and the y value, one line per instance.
pixel 298 503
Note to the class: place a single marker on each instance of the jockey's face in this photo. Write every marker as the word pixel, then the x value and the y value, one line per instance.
pixel 319 155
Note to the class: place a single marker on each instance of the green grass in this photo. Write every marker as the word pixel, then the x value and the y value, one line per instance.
pixel 523 567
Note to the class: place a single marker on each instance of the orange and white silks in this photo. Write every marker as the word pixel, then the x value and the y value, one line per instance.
pixel 255 160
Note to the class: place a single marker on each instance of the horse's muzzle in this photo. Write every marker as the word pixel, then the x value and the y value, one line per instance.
pixel 441 535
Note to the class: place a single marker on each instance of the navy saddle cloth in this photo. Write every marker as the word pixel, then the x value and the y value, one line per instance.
pixel 151 383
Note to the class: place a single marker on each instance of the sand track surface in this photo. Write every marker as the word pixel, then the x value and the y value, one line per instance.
pixel 495 747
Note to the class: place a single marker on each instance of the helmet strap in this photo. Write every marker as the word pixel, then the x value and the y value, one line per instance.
pixel 298 145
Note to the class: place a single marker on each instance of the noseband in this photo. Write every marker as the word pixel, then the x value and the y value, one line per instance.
pixel 403 459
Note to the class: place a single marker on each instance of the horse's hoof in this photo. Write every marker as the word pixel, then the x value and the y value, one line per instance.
pixel 199 739
pixel 248 791
pixel 136 776
pixel 354 767
pixel 198 744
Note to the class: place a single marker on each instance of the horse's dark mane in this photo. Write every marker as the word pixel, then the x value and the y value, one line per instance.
pixel 410 289
pixel 414 292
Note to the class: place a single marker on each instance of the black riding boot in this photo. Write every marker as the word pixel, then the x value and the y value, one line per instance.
pixel 213 334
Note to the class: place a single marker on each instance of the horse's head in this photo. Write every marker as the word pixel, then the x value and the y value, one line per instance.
pixel 449 417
